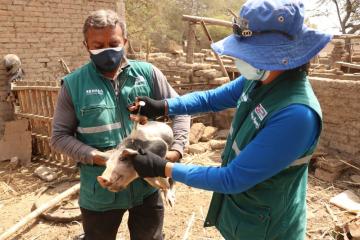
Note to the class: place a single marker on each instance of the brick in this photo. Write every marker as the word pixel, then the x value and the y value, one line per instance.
pixel 197 148
pixel 331 164
pixel 208 134
pixel 15 8
pixel 217 144
pixel 20 2
pixel 196 131
pixel 5 12
pixel 31 19
pixel 325 175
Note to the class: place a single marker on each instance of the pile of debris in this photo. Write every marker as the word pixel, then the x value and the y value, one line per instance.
pixel 205 69
pixel 206 138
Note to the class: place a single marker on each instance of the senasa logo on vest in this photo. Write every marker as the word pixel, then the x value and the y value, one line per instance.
pixel 94 92
pixel 140 80
pixel 261 113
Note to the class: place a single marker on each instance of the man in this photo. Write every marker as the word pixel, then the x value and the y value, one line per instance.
pixel 260 190
pixel 91 118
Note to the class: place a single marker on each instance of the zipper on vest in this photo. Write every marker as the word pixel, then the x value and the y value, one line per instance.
pixel 121 85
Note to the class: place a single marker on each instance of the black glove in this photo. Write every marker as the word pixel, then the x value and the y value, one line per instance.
pixel 148 164
pixel 153 108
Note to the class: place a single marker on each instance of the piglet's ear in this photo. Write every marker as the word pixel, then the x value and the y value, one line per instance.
pixel 128 153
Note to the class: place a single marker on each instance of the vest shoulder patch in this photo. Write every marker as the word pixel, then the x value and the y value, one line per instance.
pixel 261 112
pixel 140 80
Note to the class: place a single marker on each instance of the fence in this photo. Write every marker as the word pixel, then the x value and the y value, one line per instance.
pixel 37 101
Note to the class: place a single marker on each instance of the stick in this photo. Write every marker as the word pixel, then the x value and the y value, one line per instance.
pixel 64 66
pixel 187 231
pixel 74 189
pixel 349 164
pixel 10 188
pixel 328 209
pixel 351 183
pixel 223 69
pixel 203 219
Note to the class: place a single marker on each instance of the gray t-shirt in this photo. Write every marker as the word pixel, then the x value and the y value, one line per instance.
pixel 65 122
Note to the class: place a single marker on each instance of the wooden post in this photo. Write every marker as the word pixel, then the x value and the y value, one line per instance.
pixel 148 49
pixel 130 48
pixel 223 69
pixel 74 189
pixel 190 43
pixel 120 9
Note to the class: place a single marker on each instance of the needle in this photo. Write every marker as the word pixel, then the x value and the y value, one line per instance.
pixel 141 104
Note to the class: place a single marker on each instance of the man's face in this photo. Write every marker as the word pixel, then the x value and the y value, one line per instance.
pixel 108 37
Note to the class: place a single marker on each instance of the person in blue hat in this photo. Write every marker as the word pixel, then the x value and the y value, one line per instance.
pixel 260 189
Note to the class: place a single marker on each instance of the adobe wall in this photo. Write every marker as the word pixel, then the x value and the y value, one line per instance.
pixel 340 103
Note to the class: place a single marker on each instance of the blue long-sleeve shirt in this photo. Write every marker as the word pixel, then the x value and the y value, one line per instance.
pixel 286 136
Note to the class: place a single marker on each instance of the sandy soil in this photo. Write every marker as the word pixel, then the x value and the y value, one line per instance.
pixel 19 189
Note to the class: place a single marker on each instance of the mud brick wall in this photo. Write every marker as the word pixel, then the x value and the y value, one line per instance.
pixel 340 102
pixel 41 32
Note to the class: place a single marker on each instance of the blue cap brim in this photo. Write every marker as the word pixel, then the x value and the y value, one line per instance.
pixel 274 56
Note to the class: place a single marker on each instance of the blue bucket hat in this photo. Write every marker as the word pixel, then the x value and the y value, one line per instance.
pixel 271 35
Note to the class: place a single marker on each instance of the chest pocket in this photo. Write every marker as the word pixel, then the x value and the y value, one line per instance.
pixel 96 115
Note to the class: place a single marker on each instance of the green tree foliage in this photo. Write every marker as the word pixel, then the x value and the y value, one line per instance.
pixel 161 20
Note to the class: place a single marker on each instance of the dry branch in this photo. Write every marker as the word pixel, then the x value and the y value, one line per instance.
pixel 328 209
pixel 74 189
pixel 188 227
pixel 349 164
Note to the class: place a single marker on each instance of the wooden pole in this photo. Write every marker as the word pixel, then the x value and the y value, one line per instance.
pixel 344 36
pixel 74 189
pixel 190 43
pixel 210 21
pixel 223 69
pixel 120 9
pixel 130 47
pixel 148 49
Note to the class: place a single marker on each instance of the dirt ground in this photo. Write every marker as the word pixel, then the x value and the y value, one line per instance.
pixel 19 189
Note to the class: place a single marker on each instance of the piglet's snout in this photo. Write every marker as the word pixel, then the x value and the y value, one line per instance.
pixel 103 181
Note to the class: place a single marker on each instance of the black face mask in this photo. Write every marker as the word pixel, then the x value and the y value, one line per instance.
pixel 107 59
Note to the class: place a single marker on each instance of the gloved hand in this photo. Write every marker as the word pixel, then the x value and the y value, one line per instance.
pixel 148 164
pixel 152 109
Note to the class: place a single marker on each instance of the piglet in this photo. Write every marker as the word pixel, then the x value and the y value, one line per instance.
pixel 119 173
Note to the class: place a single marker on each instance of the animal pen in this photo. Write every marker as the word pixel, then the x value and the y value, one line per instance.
pixel 37 101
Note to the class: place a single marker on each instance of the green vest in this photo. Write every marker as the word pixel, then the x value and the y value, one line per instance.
pixel 103 121
pixel 276 207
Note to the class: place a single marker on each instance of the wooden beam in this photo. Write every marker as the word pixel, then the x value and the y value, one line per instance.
pixel 210 21
pixel 344 36
pixel 191 41
pixel 222 67
pixel 349 65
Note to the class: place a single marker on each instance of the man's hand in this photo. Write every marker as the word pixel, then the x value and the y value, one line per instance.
pixel 100 158
pixel 152 109
pixel 173 156
pixel 148 164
